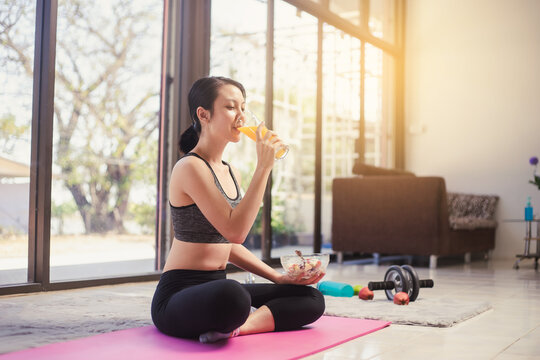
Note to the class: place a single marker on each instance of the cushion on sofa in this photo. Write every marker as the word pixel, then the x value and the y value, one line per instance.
pixel 360 168
pixel 467 211
pixel 471 223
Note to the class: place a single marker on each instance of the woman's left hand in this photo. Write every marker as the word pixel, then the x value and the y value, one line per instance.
pixel 286 279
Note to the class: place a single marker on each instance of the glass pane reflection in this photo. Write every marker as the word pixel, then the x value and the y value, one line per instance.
pixel 17 27
pixel 382 19
pixel 238 51
pixel 105 138
pixel 346 9
pixel 295 97
pixel 341 113
pixel 379 107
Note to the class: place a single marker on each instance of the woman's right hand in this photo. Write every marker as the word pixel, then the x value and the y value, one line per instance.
pixel 267 146
pixel 299 280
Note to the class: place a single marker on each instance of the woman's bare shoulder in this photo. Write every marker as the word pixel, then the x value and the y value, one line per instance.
pixel 188 173
pixel 187 165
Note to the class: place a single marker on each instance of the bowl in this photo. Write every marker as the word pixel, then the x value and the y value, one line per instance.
pixel 311 265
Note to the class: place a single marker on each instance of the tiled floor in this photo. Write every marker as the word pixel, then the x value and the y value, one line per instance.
pixel 511 330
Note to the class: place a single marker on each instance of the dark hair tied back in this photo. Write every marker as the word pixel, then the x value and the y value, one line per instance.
pixel 203 93
pixel 188 140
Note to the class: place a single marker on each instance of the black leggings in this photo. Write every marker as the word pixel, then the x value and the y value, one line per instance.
pixel 188 303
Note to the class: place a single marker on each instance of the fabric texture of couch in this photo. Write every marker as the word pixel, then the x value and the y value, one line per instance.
pixel 397 213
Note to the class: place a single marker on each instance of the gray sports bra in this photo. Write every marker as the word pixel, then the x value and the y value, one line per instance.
pixel 189 223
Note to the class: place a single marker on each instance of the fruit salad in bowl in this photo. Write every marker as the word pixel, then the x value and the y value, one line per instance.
pixel 305 266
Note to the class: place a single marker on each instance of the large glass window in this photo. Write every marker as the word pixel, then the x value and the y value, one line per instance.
pixel 347 9
pixel 238 51
pixel 344 90
pixel 106 105
pixel 340 113
pixel 379 107
pixel 17 26
pixel 294 120
pixel 382 19
pixel 238 48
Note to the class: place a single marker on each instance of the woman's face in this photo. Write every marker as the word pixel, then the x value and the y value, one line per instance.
pixel 228 107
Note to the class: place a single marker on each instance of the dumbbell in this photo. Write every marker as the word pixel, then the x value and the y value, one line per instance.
pixel 401 279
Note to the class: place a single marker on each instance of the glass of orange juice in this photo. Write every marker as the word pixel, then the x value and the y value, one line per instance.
pixel 249 123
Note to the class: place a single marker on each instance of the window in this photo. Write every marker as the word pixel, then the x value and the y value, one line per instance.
pixel 346 9
pixel 104 134
pixel 238 51
pixel 294 120
pixel 238 48
pixel 382 19
pixel 341 112
pixel 104 115
pixel 379 107
pixel 105 138
pixel 357 103
pixel 16 73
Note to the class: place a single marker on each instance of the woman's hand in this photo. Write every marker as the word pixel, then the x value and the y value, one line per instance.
pixel 299 280
pixel 267 146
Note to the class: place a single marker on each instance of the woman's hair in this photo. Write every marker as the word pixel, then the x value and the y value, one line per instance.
pixel 203 93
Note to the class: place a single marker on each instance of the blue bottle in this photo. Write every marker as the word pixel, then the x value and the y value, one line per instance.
pixel 333 288
pixel 528 210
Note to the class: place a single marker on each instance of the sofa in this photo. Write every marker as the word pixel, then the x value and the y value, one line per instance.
pixel 393 212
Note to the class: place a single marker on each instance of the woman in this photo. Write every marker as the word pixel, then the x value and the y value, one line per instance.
pixel 211 221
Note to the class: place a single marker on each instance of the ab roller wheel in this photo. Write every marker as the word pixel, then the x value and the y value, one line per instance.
pixel 393 280
pixel 401 279
pixel 414 280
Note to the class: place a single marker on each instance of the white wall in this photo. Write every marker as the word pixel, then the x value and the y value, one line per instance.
pixel 472 101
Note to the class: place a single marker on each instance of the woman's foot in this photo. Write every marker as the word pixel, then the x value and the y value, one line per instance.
pixel 213 336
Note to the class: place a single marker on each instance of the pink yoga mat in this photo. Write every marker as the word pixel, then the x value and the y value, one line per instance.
pixel 148 343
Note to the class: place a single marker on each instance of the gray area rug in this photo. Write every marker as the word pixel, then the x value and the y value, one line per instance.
pixel 38 319
pixel 422 312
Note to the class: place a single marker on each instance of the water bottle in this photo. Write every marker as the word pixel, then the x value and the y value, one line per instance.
pixel 250 278
pixel 528 210
pixel 333 288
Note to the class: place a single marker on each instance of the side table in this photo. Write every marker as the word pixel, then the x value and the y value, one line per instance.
pixel 528 238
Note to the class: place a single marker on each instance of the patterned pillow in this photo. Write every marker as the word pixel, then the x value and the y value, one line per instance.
pixel 468 211
pixel 470 223
pixel 478 206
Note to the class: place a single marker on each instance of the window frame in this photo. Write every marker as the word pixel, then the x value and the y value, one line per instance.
pixel 39 237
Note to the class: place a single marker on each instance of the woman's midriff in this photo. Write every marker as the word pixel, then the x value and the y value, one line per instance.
pixel 197 256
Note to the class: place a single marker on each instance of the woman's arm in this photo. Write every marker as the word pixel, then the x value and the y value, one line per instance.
pixel 245 259
pixel 192 178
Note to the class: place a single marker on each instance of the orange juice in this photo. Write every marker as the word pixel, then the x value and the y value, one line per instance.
pixel 250 131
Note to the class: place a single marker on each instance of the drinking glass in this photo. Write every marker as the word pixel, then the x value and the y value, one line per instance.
pixel 249 127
